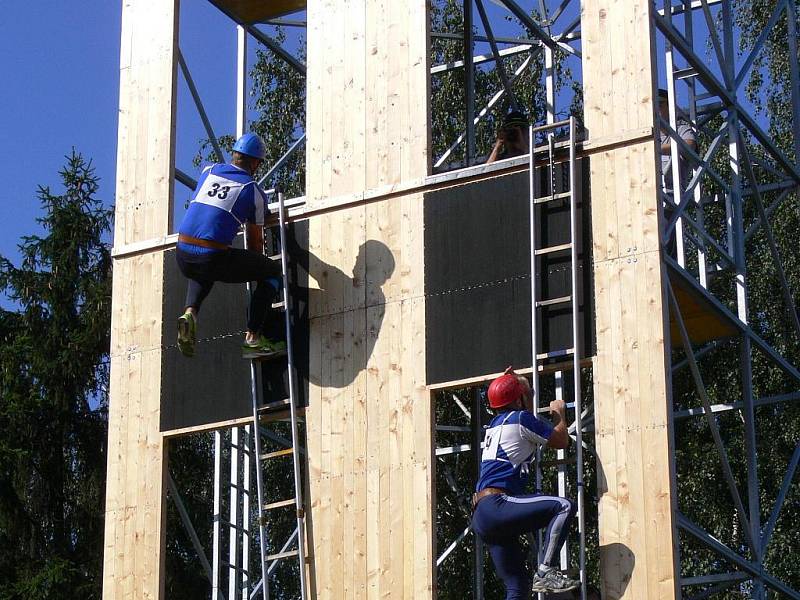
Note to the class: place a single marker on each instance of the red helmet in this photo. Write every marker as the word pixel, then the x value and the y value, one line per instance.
pixel 504 390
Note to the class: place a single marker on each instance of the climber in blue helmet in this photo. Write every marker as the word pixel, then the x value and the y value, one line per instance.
pixel 225 199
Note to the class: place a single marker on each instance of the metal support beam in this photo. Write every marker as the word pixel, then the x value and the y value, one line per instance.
pixel 469 81
pixel 277 49
pixel 190 530
pixel 200 108
pixel 754 570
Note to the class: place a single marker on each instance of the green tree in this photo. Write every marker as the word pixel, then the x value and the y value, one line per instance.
pixel 703 494
pixel 53 379
pixel 278 97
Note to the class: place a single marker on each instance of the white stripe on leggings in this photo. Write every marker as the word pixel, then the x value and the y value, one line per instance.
pixel 558 521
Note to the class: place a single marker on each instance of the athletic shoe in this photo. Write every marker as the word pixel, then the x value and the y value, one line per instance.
pixel 262 346
pixel 553 581
pixel 187 332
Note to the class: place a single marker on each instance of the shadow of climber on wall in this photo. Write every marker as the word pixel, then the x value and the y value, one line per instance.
pixel 335 361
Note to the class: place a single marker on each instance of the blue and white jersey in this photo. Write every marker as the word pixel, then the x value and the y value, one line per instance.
pixel 508 448
pixel 226 197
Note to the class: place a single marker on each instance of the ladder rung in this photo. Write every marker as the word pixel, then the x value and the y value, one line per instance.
pixel 275 256
pixel 261 356
pixel 280 504
pixel 277 453
pixel 546 409
pixel 551 301
pixel 225 564
pixel 273 405
pixel 552 249
pixel 280 555
pixel 551 198
pixel 558 461
pixel 555 353
pixel 280 304
pixel 283 415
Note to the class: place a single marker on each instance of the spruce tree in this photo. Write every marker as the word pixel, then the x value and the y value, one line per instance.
pixel 53 380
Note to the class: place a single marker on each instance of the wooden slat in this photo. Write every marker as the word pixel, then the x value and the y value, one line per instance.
pixel 134 522
pixel 636 528
pixel 367 130
pixel 703 322
pixel 367 126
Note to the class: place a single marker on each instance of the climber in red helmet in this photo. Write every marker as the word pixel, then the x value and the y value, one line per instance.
pixel 502 509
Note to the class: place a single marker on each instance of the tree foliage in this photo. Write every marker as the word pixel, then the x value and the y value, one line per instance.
pixel 278 105
pixel 703 494
pixel 448 89
pixel 53 380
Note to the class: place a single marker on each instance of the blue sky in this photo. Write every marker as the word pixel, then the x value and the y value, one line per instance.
pixel 60 65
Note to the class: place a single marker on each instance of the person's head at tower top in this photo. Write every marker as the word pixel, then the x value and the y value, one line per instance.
pixel 512 138
pixel 249 152
pixel 663 103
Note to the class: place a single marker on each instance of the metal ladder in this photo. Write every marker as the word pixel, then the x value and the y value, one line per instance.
pixel 543 196
pixel 246 452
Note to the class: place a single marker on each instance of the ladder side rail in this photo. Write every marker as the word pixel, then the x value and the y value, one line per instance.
pixel 563 476
pixel 262 529
pixel 534 332
pixel 216 549
pixel 576 358
pixel 298 488
pixel 532 209
pixel 561 455
pixel 233 516
pixel 246 491
pixel 477 441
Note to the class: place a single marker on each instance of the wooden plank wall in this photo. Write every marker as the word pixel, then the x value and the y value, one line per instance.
pixel 134 541
pixel 369 421
pixel 637 530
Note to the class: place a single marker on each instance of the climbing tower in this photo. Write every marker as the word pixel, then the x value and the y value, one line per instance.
pixel 414 265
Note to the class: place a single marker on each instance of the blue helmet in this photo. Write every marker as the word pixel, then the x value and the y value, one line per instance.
pixel 251 145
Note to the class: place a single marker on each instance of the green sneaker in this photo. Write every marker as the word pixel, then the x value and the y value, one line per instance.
pixel 187 332
pixel 262 346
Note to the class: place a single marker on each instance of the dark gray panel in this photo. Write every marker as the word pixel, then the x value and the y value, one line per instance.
pixel 477 274
pixel 214 385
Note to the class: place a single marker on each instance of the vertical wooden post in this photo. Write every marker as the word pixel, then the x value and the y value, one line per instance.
pixel 632 396
pixel 369 422
pixel 134 536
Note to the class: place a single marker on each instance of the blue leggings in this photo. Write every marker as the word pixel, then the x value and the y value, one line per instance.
pixel 500 520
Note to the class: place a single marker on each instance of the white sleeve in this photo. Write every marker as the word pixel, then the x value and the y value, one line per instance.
pixel 260 201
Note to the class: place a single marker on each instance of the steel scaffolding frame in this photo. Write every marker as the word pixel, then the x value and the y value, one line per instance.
pixel 709 96
pixel 553 26
pixel 237 442
pixel 710 88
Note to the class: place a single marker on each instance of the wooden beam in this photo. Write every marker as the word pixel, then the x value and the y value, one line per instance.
pixel 367 123
pixel 632 396
pixel 134 523
pixel 368 419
